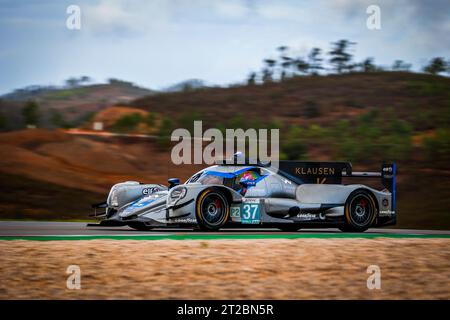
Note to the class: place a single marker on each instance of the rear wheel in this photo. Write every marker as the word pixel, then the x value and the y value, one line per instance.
pixel 360 211
pixel 212 210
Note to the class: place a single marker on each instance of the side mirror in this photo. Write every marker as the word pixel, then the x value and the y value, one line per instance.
pixel 173 182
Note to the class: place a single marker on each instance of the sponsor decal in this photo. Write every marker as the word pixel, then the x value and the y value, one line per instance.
pixel 250 211
pixel 184 220
pixel 142 203
pixel 307 216
pixel 387 169
pixel 250 200
pixel 386 213
pixel 138 204
pixel 147 191
pixel 309 172
pixel 315 171
pixel 235 213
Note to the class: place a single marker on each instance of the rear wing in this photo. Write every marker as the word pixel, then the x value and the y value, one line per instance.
pixel 309 172
pixel 387 174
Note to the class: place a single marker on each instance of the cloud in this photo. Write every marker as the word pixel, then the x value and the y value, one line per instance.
pixel 107 16
pixel 118 17
pixel 231 8
pixel 280 11
pixel 125 17
pixel 157 42
pixel 427 20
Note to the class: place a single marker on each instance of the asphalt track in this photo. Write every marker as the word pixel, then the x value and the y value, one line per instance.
pixel 39 230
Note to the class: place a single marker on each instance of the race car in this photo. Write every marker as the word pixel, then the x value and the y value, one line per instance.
pixel 243 193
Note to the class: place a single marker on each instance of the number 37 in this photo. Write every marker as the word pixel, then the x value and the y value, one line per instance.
pixel 250 211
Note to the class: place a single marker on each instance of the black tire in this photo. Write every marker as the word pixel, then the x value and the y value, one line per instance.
pixel 139 226
pixel 289 227
pixel 212 210
pixel 360 211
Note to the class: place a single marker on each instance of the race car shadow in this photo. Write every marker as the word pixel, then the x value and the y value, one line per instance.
pixel 222 231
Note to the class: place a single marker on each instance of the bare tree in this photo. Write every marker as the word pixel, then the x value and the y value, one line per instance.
pixel 315 61
pixel 301 65
pixel 285 62
pixel 251 79
pixel 267 73
pixel 340 57
pixel 367 65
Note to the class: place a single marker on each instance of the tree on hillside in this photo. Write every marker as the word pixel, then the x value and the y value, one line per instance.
pixel 150 119
pixel 367 65
pixel 251 79
pixel 340 57
pixel 186 120
pixel 267 73
pixel 285 62
pixel 30 113
pixel 114 81
pixel 400 65
pixel 286 65
pixel 294 149
pixel 282 50
pixel 301 65
pixel 270 63
pixel 164 132
pixel 72 82
pixel 85 79
pixel 127 122
pixel 436 66
pixel 57 119
pixel 315 61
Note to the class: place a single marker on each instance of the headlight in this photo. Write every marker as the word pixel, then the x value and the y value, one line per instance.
pixel 114 199
pixel 177 194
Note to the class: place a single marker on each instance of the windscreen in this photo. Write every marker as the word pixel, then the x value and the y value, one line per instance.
pixel 208 178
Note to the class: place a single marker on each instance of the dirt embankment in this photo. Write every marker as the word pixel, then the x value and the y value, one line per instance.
pixel 51 174
pixel 85 163
pixel 227 269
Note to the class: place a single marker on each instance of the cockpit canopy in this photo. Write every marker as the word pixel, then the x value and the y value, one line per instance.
pixel 248 176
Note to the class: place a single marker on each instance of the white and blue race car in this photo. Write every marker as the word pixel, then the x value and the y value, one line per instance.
pixel 293 195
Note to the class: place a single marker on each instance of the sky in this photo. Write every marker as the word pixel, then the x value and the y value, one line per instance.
pixel 156 43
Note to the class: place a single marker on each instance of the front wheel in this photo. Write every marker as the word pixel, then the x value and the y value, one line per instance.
pixel 212 210
pixel 360 211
